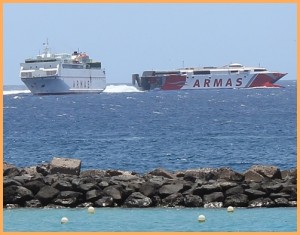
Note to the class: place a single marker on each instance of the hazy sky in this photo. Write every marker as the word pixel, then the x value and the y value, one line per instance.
pixel 131 38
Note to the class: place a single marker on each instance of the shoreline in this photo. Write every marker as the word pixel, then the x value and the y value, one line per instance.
pixel 62 184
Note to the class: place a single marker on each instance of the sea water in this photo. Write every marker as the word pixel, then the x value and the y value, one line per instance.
pixel 139 131
pixel 125 129
pixel 151 219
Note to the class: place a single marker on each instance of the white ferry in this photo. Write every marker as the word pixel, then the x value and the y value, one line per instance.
pixel 62 74
pixel 229 76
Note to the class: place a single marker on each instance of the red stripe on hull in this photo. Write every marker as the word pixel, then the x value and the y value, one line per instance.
pixel 267 80
pixel 174 82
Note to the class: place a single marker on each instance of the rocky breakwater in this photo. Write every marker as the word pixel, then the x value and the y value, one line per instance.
pixel 61 183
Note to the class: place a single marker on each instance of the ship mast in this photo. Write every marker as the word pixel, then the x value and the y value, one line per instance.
pixel 46 49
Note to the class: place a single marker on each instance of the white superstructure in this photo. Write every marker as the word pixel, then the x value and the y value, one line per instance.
pixel 62 73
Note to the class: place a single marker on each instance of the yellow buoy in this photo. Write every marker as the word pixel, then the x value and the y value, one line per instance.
pixel 64 220
pixel 201 218
pixel 91 210
pixel 230 209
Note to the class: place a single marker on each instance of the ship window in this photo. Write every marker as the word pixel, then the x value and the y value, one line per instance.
pixel 202 72
pixel 259 70
pixel 72 66
pixel 233 71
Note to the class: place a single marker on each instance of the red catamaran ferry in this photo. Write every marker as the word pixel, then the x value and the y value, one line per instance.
pixel 229 76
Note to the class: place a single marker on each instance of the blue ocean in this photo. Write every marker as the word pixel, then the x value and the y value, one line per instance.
pixel 125 129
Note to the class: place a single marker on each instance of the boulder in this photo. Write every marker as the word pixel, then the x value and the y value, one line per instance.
pixel 65 166
pixel 68 198
pixel 137 199
pixel 163 173
pixel 207 189
pixel 229 175
pixel 62 185
pixel 213 197
pixel 46 194
pixel 105 201
pixel 115 191
pixel 34 186
pixel 271 172
pixel 193 201
pixel 8 182
pixel 10 170
pixel 148 189
pixel 235 190
pixel 205 174
pixel 93 195
pixel 253 176
pixel 34 203
pixel 170 188
pixel 236 200
pixel 173 200
pixel 17 195
pixel 253 193
pixel 43 169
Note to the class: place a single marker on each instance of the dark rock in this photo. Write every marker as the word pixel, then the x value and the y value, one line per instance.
pixel 225 185
pixel 278 195
pixel 206 189
pixel 86 187
pixel 116 192
pixel 113 173
pixel 68 198
pixel 34 203
pixel 93 195
pixel 68 194
pixel 51 179
pixel 213 197
pixel 65 166
pixel 261 202
pixel 12 206
pixel 173 200
pixel 203 174
pixel 237 200
pixel 106 201
pixel 235 190
pixel 254 185
pixel 22 178
pixel 291 173
pixel 9 182
pixel 170 188
pixel 43 169
pixel 158 180
pixel 281 202
pixel 271 187
pixel 229 175
pixel 17 195
pixel 137 199
pixel 34 186
pixel 62 185
pixel 46 194
pixel 93 174
pixel 10 170
pixel 163 173
pixel 193 201
pixel 103 184
pixel 253 194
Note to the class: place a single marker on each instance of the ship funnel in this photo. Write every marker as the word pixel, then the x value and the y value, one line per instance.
pixel 136 78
